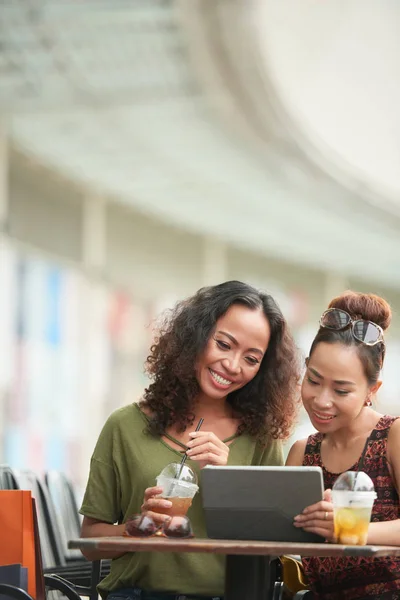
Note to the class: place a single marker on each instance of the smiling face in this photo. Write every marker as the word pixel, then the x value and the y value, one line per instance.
pixel 234 352
pixel 335 388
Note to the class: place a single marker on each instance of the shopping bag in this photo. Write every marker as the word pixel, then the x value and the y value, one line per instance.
pixel 40 587
pixel 19 541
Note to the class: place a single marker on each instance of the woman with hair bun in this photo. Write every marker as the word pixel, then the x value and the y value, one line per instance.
pixel 338 392
pixel 224 355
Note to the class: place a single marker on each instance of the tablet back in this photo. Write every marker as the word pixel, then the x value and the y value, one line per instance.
pixel 259 503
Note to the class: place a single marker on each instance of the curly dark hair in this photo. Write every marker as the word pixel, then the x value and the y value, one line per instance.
pixel 267 405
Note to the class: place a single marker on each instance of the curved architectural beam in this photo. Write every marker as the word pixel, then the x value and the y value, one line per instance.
pixel 225 50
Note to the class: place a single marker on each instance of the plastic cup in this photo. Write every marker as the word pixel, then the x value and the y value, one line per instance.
pixel 179 487
pixel 353 497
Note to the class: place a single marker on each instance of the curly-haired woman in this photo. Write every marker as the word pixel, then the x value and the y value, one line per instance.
pixel 224 355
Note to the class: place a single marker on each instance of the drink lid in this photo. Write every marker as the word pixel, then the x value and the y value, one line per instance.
pixel 178 480
pixel 183 474
pixel 354 481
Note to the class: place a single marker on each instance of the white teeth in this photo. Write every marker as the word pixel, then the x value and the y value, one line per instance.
pixel 220 379
pixel 324 417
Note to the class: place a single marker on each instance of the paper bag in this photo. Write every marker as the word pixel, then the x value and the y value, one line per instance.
pixel 18 542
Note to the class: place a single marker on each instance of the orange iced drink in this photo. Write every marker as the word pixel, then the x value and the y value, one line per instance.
pixel 179 486
pixel 351 525
pixel 353 497
pixel 179 507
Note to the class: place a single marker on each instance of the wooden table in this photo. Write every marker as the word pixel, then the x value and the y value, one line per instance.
pixel 248 572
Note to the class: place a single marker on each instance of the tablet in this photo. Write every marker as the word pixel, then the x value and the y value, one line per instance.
pixel 259 503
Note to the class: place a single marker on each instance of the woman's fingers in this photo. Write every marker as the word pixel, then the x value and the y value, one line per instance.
pixel 317 518
pixel 152 491
pixel 207 447
pixel 211 459
pixel 315 521
pixel 209 453
pixel 157 517
pixel 206 442
pixel 152 503
pixel 322 506
pixel 158 503
pixel 314 516
pixel 202 437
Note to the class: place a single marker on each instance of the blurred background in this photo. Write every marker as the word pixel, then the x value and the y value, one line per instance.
pixel 150 147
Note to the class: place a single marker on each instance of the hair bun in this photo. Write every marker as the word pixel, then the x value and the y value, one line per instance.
pixel 364 306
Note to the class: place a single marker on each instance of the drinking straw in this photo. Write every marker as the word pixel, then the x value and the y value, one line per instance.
pixel 184 457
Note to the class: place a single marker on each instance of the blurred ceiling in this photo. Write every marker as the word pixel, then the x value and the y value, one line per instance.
pixel 336 69
pixel 190 110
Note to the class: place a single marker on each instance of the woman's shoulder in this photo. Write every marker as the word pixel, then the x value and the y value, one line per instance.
pixel 296 453
pixel 394 437
pixel 386 430
pixel 126 416
pixel 125 423
pixel 258 452
pixel 388 422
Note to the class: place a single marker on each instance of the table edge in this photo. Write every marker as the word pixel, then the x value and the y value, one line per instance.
pixel 229 547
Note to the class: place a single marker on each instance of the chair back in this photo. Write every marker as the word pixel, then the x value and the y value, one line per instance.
pixel 64 501
pixel 8 480
pixel 52 553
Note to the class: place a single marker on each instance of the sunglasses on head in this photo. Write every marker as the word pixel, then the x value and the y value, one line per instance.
pixel 145 526
pixel 366 332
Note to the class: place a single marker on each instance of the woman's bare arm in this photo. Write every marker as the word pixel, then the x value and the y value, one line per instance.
pixel 388 532
pixel 94 528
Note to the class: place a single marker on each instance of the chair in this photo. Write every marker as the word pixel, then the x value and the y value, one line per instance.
pixel 7 478
pixel 14 592
pixel 49 582
pixel 280 591
pixel 286 578
pixel 66 511
pixel 82 576
pixel 12 480
pixel 62 494
pixel 51 551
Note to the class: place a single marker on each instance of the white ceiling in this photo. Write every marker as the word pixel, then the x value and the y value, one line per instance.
pixel 336 68
pixel 143 101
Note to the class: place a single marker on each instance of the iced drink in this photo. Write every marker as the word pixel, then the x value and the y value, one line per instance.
pixel 179 487
pixel 353 497
pixel 179 507
pixel 351 525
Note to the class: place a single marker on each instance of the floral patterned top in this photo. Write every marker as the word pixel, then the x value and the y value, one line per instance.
pixel 351 578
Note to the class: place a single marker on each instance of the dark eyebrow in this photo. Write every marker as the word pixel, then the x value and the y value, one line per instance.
pixel 234 341
pixel 314 372
pixel 338 381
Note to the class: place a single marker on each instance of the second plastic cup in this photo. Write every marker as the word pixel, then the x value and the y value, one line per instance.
pixel 353 497
pixel 179 487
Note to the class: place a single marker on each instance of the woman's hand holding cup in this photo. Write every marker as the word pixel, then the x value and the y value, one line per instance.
pixel 153 505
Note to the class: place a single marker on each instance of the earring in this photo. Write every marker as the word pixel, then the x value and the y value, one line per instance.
pixel 368 401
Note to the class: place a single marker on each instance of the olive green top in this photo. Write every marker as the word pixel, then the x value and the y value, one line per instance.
pixel 126 461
